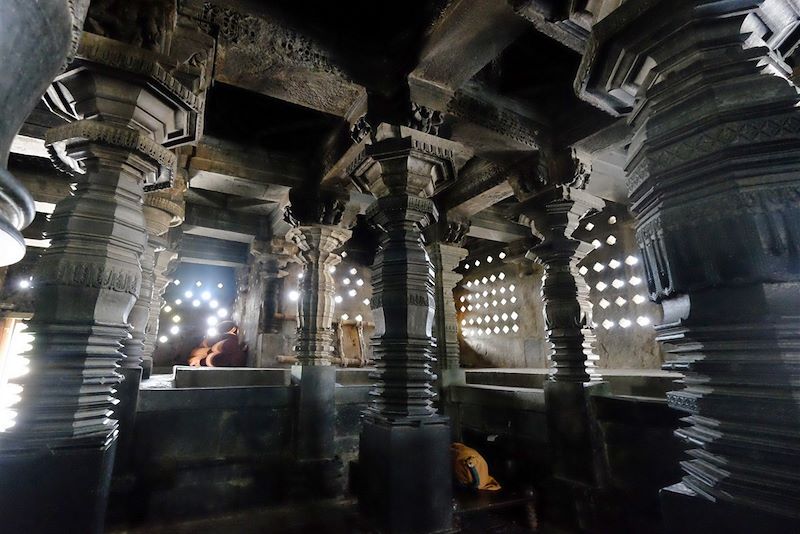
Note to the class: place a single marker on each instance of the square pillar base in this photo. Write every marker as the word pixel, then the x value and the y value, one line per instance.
pixel 405 480
pixel 55 491
pixel 686 511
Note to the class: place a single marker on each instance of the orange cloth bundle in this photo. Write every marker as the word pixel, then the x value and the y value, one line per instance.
pixel 470 469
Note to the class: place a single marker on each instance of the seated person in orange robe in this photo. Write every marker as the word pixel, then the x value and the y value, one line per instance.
pixel 222 350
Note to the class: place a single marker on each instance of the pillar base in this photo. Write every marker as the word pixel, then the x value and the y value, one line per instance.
pixel 686 511
pixel 125 413
pixel 55 491
pixel 405 477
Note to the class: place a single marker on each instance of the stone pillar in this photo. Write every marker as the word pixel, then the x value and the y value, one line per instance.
pixel 271 338
pixel 166 260
pixel 37 41
pixel 57 459
pixel 163 209
pixel 402 167
pixel 446 253
pixel 713 174
pixel 316 233
pixel 565 293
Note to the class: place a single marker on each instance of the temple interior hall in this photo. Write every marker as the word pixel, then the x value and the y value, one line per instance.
pixel 399 266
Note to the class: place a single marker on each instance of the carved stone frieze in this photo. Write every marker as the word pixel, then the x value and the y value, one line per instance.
pixel 503 122
pixel 425 119
pixel 315 206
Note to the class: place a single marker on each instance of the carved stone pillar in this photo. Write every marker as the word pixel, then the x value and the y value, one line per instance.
pixel 446 253
pixel 61 450
pixel 713 173
pixel 315 217
pixel 166 261
pixel 37 41
pixel 565 293
pixel 163 209
pixel 402 167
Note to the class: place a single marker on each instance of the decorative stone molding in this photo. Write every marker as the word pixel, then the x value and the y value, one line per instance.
pixel 425 119
pixel 315 206
pixel 469 108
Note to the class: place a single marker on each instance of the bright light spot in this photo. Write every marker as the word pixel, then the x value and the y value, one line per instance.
pixel 344 254
pixel 608 325
pixel 220 285
pixel 163 339
pixel 611 240
pixel 479 320
pixel 597 267
pixel 24 284
pixel 222 313
pixel 196 303
pixel 631 260
pixel 332 269
pixel 614 264
pixel 353 271
pixel 346 281
pixel 337 299
pixel 206 295
pixel 643 321
pixel 501 276
pixel 496 329
pixel 596 244
pixel 462 299
pixel 177 282
pixel 176 318
pixel 345 317
pixel 513 300
pixel 188 294
pixel 624 323
pixel 463 322
pixel 463 309
pixel 359 282
pixel 211 332
pixel 514 315
pixel 294 295
pixel 503 302
pixel 489 259
pixel 300 276
pixel 167 309
pixel 589 226
pixel 504 317
pixel 466 267
pixel 178 302
pixel 484 280
pixel 493 278
pixel 635 281
pixel 604 303
pixel 198 283
pixel 174 330
pixel 359 318
pixel 502 255
pixel 620 301
pixel 612 220
pixel 495 317
pixel 477 263
pixel 515 328
pixel 506 329
pixel 366 302
pixel 617 283
pixel 352 293
pixel 583 270
pixel 638 299
pixel 600 286
pixel 485 293
pixel 213 304
pixel 212 321
pixel 511 287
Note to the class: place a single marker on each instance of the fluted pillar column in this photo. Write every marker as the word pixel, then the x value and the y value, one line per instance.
pixel 315 217
pixel 402 167
pixel 58 457
pixel 166 260
pixel 713 173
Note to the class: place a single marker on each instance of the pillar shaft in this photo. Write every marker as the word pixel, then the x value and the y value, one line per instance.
pixel 713 173
pixel 565 294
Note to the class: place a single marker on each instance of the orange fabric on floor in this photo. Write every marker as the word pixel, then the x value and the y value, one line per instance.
pixel 471 469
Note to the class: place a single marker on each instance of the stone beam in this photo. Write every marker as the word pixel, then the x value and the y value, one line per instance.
pixel 211 251
pixel 45 183
pixel 224 224
pixel 563 21
pixel 481 184
pixel 224 167
pixel 494 226
pixel 461 42
pixel 262 54
pixel 489 122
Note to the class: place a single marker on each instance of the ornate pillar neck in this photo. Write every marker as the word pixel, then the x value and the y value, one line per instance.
pixel 565 294
pixel 714 183
pixel 314 217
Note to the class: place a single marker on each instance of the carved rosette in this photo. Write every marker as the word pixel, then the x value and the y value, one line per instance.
pixel 315 335
pixel 714 182
pixel 565 294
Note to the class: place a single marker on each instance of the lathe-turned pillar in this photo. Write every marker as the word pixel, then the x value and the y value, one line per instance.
pixel 56 460
pixel 315 217
pixel 402 167
pixel 713 173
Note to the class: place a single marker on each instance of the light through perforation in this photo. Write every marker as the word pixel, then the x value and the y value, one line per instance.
pixel 597 267
pixel 600 286
pixel 635 281
pixel 583 270
pixel 631 260
pixel 608 325
pixel 638 299
pixel 614 264
pixel 620 301
pixel 596 243
pixel 624 323
pixel 642 320
pixel 617 283
pixel 611 240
